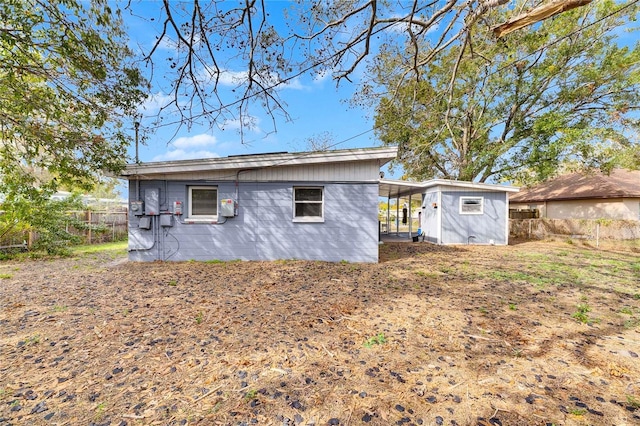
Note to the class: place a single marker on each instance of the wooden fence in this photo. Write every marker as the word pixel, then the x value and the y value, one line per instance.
pixel 594 229
pixel 105 226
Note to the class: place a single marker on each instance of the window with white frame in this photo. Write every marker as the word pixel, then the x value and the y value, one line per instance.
pixel 308 204
pixel 471 205
pixel 203 202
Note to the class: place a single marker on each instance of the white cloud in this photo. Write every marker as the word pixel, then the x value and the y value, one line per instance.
pixel 154 102
pixel 230 78
pixel 180 154
pixel 250 122
pixel 322 76
pixel 200 140
pixel 401 27
pixel 238 78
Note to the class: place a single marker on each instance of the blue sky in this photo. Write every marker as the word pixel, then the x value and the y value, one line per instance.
pixel 315 104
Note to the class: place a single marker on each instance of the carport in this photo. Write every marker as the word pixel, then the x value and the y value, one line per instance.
pixel 398 189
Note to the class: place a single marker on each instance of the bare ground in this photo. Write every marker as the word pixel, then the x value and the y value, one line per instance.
pixel 430 335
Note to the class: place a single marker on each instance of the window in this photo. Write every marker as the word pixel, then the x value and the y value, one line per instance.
pixel 203 202
pixel 471 205
pixel 308 204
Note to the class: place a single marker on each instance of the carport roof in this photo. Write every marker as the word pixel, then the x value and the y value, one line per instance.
pixel 401 188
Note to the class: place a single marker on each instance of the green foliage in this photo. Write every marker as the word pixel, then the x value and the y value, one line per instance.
pixel 113 247
pixel 67 90
pixel 581 313
pixel 375 340
pixel 49 219
pixel 633 401
pixel 251 394
pixel 561 95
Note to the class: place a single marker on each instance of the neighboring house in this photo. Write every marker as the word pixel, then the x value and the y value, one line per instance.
pixel 580 196
pixel 311 205
pixel 456 212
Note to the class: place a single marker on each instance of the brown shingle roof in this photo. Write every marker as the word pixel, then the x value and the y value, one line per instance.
pixel 619 184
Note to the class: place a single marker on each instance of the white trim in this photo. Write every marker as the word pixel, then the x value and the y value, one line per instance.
pixel 243 162
pixel 471 198
pixel 200 218
pixel 308 218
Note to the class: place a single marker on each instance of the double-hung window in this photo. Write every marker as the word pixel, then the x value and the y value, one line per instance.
pixel 203 203
pixel 308 204
pixel 471 205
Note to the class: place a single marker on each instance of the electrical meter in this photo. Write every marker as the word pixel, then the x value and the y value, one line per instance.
pixel 177 208
pixel 136 208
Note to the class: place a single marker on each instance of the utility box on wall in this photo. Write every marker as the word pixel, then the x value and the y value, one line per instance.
pixel 166 221
pixel 227 208
pixel 152 201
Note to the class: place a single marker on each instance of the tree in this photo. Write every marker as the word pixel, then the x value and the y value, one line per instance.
pixel 246 42
pixel 67 87
pixel 564 94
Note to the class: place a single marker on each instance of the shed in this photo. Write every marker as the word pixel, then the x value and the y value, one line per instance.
pixel 584 196
pixel 306 205
pixel 457 212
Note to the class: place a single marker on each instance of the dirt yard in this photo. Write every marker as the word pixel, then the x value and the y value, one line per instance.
pixel 530 334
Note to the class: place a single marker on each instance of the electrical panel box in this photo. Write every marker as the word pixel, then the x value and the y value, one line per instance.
pixel 227 208
pixel 144 222
pixel 136 208
pixel 152 201
pixel 177 208
pixel 166 220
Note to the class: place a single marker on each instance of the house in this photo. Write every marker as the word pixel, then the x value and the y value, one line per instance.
pixel 457 212
pixel 584 196
pixel 308 205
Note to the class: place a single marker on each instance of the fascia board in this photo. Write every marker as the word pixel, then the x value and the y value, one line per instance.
pixel 382 155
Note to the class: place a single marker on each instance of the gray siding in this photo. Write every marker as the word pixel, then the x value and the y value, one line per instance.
pixel 491 226
pixel 264 228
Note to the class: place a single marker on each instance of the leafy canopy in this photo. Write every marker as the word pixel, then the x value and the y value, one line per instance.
pixel 66 88
pixel 563 94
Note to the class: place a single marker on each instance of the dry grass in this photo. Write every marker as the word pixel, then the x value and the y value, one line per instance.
pixel 431 335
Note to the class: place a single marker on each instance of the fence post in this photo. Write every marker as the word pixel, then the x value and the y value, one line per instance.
pixel 90 224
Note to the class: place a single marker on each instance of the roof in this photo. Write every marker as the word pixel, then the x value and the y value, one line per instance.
pixel 255 161
pixel 576 186
pixel 400 188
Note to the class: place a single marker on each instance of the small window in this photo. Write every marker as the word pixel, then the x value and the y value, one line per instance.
pixel 308 204
pixel 471 205
pixel 203 202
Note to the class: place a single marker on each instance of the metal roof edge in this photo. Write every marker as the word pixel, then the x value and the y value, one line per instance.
pixel 471 185
pixel 386 154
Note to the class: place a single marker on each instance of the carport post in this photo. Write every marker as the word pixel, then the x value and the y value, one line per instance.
pixel 388 212
pixel 410 218
pixel 398 216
